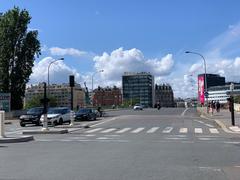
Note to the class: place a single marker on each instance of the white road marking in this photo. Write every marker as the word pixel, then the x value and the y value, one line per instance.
pixel 112 119
pixel 103 138
pixel 209 125
pixel 123 130
pixel 167 130
pixel 89 135
pixel 137 130
pixel 183 130
pixel 199 121
pixel 94 130
pixel 108 130
pixel 205 139
pixel 153 129
pixel 176 138
pixel 198 130
pixel 213 130
pixel 183 113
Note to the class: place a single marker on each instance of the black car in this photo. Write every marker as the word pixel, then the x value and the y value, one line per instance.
pixel 31 117
pixel 85 114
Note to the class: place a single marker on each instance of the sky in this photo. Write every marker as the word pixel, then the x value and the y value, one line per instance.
pixel 136 36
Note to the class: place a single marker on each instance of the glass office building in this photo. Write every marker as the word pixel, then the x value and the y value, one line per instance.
pixel 138 88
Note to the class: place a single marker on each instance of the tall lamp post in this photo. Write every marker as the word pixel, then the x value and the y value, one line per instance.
pixel 94 75
pixel 60 59
pixel 205 72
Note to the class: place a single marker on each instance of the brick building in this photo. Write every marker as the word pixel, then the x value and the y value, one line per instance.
pixel 107 96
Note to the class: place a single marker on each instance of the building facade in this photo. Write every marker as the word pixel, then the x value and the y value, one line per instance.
pixel 164 95
pixel 107 96
pixel 62 94
pixel 212 80
pixel 221 93
pixel 138 87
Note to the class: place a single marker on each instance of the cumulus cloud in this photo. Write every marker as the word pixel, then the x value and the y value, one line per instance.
pixel 132 60
pixel 59 72
pixel 57 51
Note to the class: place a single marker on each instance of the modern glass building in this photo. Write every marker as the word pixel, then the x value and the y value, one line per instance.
pixel 138 88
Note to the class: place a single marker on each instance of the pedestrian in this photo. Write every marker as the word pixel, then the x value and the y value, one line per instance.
pixel 212 107
pixel 218 106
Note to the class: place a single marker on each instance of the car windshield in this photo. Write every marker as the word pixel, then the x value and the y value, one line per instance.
pixel 35 111
pixel 82 111
pixel 55 111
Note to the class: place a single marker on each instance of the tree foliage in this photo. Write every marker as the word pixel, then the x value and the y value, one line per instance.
pixel 18 49
pixel 35 102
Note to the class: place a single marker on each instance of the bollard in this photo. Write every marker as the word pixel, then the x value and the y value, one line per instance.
pixel 2 119
pixel 72 118
pixel 45 123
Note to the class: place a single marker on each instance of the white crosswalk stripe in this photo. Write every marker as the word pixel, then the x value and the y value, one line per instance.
pixel 167 130
pixel 213 130
pixel 123 130
pixel 183 130
pixel 153 129
pixel 137 130
pixel 108 130
pixel 94 130
pixel 198 130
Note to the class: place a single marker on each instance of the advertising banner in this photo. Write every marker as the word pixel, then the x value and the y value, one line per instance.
pixel 5 101
pixel 201 89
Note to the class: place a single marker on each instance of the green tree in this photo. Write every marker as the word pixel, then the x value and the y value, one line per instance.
pixel 35 102
pixel 18 50
pixel 237 99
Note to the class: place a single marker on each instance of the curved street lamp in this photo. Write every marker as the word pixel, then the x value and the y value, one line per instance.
pixel 94 75
pixel 205 70
pixel 60 59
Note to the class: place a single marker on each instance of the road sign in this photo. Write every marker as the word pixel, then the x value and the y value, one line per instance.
pixel 5 101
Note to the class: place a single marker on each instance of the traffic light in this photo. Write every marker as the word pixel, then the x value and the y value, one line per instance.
pixel 71 81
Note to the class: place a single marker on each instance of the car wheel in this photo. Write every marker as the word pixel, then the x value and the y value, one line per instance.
pixel 55 123
pixel 22 124
pixel 60 121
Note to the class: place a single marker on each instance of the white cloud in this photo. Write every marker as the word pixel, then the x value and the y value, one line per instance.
pixel 133 60
pixel 57 51
pixel 59 72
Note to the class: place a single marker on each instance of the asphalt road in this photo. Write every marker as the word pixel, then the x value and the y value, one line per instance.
pixel 169 144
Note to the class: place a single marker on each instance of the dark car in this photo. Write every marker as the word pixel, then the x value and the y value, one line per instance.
pixel 31 117
pixel 85 114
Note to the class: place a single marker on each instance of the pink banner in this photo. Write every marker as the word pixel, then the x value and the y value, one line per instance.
pixel 201 89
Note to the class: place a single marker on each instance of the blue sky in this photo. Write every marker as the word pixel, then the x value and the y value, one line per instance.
pixel 140 34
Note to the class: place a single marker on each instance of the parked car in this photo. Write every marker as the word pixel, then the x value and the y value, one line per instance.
pixel 85 114
pixel 57 115
pixel 138 107
pixel 31 117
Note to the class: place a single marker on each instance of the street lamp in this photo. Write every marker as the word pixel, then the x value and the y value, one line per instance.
pixel 94 75
pixel 205 71
pixel 60 59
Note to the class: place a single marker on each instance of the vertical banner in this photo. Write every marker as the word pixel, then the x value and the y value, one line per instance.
pixel 201 89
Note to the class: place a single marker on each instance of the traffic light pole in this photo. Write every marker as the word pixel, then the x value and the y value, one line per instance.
pixel 45 106
pixel 232 110
pixel 72 84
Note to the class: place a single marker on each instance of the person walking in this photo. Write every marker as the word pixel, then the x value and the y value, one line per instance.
pixel 218 106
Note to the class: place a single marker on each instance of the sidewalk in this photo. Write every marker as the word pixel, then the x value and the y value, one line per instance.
pixel 223 118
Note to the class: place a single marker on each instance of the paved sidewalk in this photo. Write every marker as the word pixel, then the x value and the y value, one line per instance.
pixel 224 117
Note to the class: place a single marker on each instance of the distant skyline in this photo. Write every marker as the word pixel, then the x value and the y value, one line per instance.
pixel 132 35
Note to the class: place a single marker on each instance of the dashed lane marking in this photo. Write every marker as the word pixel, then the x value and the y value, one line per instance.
pixel 198 130
pixel 108 130
pixel 123 130
pixel 213 130
pixel 167 130
pixel 183 130
pixel 137 130
pixel 94 130
pixel 152 130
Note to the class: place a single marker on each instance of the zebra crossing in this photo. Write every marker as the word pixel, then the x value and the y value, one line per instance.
pixel 151 130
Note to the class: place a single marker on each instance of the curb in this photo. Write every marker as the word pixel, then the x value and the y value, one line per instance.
pixel 63 131
pixel 220 124
pixel 16 139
